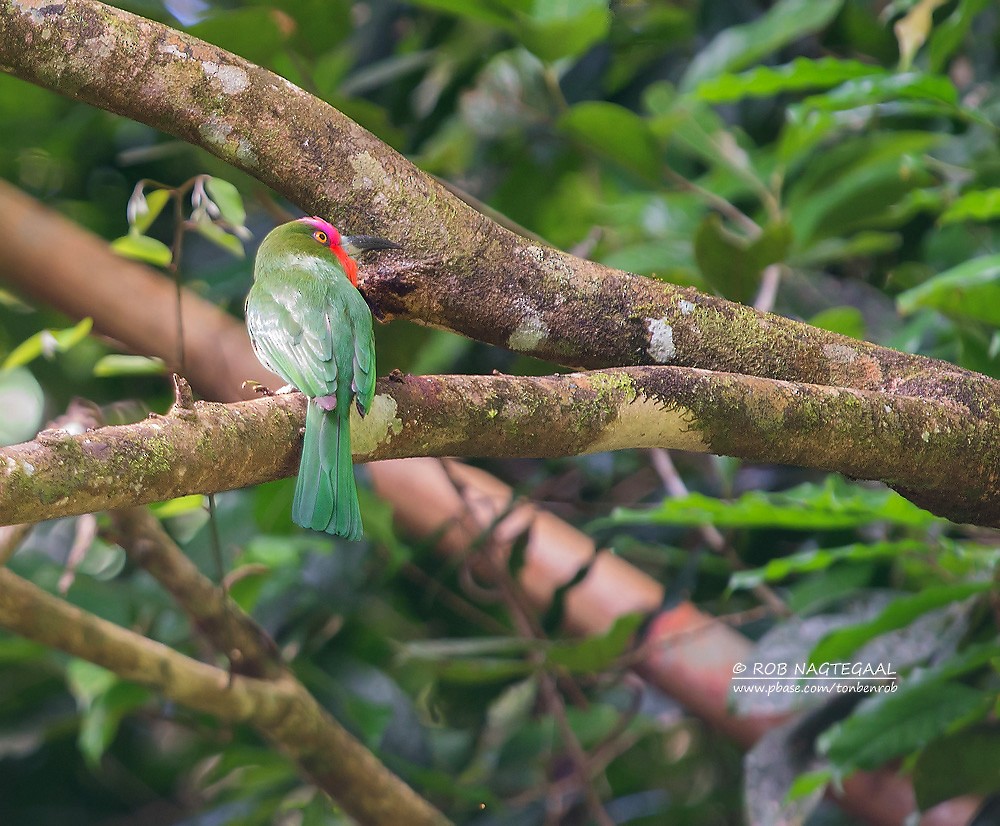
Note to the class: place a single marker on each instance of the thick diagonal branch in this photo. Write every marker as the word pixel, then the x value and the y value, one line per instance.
pixel 457 269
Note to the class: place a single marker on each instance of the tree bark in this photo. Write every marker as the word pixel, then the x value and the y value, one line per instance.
pixel 458 269
pixel 280 708
pixel 209 447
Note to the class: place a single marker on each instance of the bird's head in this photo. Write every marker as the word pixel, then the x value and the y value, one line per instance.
pixel 342 246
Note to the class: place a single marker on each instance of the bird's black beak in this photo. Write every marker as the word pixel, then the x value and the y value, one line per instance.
pixel 366 243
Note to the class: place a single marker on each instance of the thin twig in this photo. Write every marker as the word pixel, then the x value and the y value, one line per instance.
pixel 767 292
pixel 711 535
pixel 717 202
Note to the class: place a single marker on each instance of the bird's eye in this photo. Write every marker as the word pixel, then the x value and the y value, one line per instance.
pixel 321 236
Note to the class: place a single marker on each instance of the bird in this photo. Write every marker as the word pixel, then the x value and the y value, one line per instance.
pixel 309 324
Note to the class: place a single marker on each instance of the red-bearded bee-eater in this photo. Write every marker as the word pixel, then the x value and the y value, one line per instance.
pixel 309 324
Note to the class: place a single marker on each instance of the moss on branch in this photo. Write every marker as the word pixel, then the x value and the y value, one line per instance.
pixel 941 457
pixel 458 269
pixel 280 709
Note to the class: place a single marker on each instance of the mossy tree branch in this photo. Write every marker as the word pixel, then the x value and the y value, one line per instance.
pixel 458 269
pixel 280 709
pixel 927 448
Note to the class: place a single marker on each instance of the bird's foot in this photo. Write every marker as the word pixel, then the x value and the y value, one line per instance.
pixel 264 390
pixel 257 387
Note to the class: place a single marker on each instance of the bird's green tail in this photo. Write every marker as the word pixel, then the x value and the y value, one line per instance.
pixel 326 498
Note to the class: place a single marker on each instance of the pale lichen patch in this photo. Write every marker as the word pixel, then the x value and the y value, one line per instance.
pixel 215 132
pixel 34 8
pixel 530 331
pixel 686 307
pixel 245 153
pixel 841 353
pixel 103 46
pixel 377 427
pixel 232 79
pixel 661 340
pixel 368 172
pixel 647 423
pixel 170 48
pixel 229 145
pixel 371 176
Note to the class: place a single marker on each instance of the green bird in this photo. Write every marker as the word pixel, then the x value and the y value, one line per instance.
pixel 309 324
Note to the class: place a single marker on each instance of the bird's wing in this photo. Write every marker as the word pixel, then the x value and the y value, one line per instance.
pixel 363 357
pixel 294 338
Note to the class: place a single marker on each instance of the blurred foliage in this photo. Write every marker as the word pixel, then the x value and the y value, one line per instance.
pixel 852 144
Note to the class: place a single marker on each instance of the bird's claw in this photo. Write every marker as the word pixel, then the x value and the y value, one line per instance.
pixel 257 387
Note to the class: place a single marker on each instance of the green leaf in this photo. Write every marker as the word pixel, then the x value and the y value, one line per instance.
pixel 856 183
pixel 981 205
pixel 808 783
pixel 970 291
pixel 87 681
pixel 819 559
pixel 482 670
pixel 731 263
pixel 599 652
pixel 47 343
pixel 470 660
pixel 737 47
pixel 833 505
pixel 841 644
pixel 280 551
pixel 893 725
pixel 668 258
pixel 23 403
pixel 143 248
pixel 228 199
pixel 254 33
pixel 116 364
pixel 616 132
pixel 937 90
pixel 102 718
pixel 948 35
pixel 766 81
pixel 805 129
pixel 218 236
pixel 555 29
pixel 505 716
pixel 429 650
pixel 178 506
pixel 482 11
pixel 509 96
pixel 861 244
pixel 847 321
pixel 103 700
pixel 966 762
pixel 103 560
